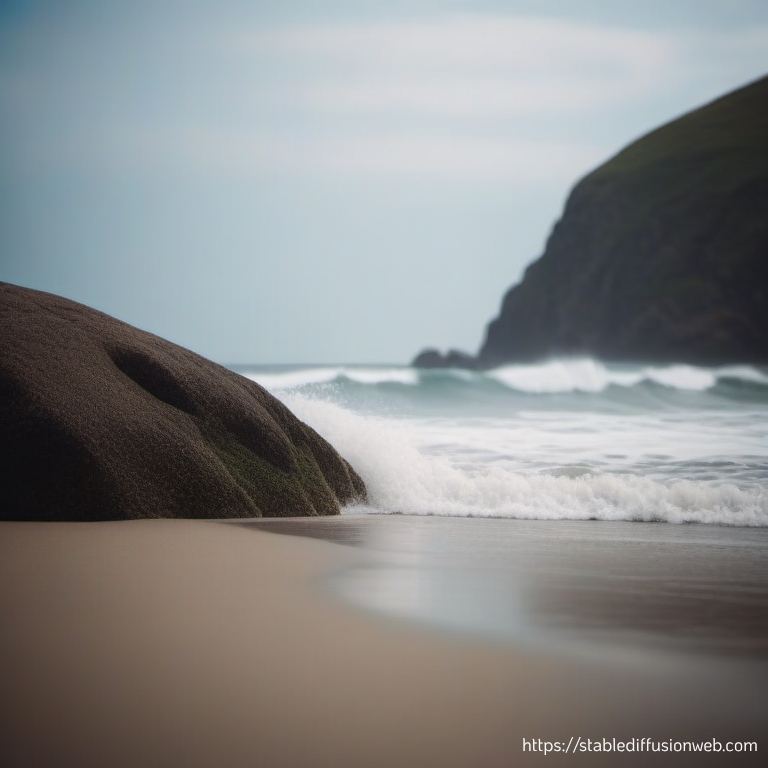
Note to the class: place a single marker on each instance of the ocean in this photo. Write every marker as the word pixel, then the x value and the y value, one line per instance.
pixel 572 439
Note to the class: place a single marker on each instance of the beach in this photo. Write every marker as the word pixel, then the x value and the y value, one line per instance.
pixel 167 643
pixel 383 385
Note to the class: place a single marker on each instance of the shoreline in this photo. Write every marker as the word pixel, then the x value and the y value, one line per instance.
pixel 578 587
pixel 166 643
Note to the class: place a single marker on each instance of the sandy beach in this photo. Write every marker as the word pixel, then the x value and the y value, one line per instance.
pixel 175 643
pixel 383 384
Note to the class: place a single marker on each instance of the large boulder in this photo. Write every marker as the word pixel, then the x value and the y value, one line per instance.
pixel 102 421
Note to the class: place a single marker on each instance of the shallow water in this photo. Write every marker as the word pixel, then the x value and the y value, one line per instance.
pixel 568 439
pixel 614 592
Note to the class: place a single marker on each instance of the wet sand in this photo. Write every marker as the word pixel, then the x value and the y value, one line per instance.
pixel 596 587
pixel 174 643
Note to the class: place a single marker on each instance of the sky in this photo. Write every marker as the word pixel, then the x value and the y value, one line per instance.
pixel 319 181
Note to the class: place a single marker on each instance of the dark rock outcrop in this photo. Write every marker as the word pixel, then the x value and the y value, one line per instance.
pixel 102 421
pixel 454 358
pixel 661 253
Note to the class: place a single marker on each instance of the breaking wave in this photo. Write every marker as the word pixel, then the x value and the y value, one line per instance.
pixel 588 375
pixel 551 377
pixel 404 477
pixel 563 439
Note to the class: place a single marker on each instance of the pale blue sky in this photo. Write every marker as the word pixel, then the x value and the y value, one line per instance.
pixel 326 181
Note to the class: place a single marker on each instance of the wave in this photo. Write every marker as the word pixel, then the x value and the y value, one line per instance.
pixel 587 375
pixel 303 377
pixel 550 377
pixel 574 384
pixel 401 477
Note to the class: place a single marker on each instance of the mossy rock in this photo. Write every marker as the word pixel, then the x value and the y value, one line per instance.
pixel 102 421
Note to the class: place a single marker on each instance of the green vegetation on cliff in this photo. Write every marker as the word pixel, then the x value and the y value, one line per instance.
pixel 661 253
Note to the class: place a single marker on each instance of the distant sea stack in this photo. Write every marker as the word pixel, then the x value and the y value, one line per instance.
pixel 454 358
pixel 661 254
pixel 102 421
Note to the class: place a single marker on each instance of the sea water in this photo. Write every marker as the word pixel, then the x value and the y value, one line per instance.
pixel 564 439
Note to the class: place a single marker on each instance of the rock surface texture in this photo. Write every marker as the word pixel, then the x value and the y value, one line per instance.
pixel 102 421
pixel 661 253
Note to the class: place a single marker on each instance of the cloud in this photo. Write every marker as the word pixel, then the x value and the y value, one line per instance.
pixel 447 156
pixel 466 97
pixel 465 64
pixel 480 66
pixel 232 152
pixel 528 100
pixel 466 41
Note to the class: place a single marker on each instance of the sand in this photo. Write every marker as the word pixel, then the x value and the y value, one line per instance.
pixel 179 643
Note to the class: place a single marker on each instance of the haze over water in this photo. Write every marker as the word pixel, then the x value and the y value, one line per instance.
pixel 565 439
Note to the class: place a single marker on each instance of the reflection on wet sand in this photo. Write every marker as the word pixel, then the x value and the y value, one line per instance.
pixel 584 587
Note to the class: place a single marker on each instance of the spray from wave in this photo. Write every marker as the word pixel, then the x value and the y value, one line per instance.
pixel 402 477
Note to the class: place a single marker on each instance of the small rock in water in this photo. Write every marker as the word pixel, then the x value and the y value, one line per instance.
pixel 455 358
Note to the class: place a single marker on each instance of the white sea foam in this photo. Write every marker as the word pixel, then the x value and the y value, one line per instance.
pixel 382 375
pixel 742 372
pixel 553 376
pixel 401 476
pixel 560 376
pixel 587 375
pixel 293 379
pixel 306 376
